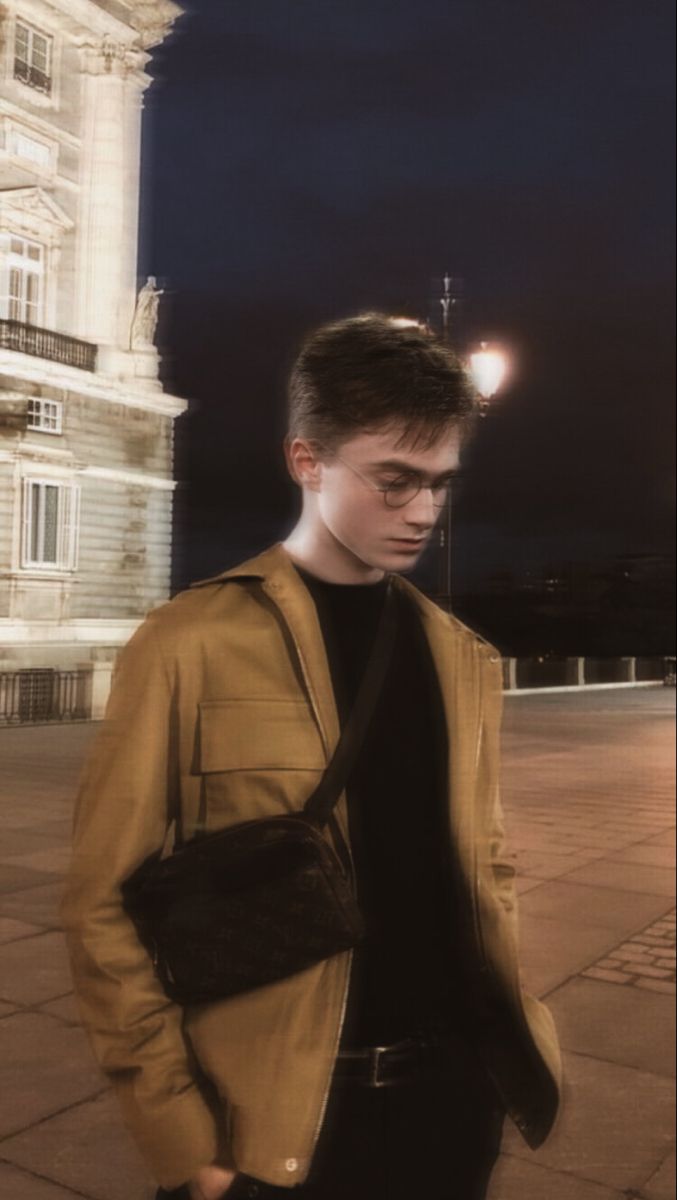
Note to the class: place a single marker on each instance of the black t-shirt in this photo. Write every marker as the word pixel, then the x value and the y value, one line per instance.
pixel 403 974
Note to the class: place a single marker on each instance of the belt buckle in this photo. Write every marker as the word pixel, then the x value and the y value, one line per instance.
pixel 375 1053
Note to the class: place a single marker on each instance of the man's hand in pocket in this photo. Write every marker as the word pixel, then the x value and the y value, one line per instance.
pixel 211 1183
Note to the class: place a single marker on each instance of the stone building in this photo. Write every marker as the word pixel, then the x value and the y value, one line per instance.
pixel 86 430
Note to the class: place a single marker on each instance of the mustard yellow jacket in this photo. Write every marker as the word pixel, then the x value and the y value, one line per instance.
pixel 227 688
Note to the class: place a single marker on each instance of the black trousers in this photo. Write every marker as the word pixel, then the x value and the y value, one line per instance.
pixel 436 1137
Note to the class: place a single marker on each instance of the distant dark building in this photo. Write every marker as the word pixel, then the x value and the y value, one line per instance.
pixel 620 606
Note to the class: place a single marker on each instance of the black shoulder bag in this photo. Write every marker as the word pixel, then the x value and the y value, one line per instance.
pixel 233 910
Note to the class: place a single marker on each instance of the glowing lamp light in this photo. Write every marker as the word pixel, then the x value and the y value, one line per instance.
pixel 488 369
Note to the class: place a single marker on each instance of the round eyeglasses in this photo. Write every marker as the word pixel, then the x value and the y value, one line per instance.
pixel 404 488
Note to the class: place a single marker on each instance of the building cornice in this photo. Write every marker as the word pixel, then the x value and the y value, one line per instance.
pixel 64 464
pixel 92 632
pixel 14 365
pixel 153 20
pixel 83 16
pixel 129 478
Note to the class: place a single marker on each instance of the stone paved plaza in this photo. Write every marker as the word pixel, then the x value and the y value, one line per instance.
pixel 588 785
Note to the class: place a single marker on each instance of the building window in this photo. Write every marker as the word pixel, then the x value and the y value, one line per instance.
pixel 33 58
pixel 45 415
pixel 50 524
pixel 32 149
pixel 22 276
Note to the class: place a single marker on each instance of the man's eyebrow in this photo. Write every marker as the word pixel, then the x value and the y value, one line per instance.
pixel 397 465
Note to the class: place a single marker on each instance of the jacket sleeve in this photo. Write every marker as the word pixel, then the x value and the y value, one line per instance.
pixel 498 860
pixel 498 869
pixel 121 816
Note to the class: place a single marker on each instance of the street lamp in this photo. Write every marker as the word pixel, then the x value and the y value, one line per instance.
pixel 488 368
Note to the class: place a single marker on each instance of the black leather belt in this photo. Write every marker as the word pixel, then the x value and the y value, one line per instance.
pixel 385 1066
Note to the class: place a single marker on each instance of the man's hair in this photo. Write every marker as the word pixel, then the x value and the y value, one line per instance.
pixel 367 371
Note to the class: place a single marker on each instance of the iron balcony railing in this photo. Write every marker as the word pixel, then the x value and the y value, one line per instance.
pixel 35 695
pixel 46 343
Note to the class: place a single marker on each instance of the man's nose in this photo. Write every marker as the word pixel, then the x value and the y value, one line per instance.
pixel 421 511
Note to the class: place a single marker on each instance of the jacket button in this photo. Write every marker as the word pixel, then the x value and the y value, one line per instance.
pixel 253 1190
pixel 292 1164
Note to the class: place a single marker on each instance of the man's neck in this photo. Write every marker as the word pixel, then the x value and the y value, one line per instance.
pixel 327 559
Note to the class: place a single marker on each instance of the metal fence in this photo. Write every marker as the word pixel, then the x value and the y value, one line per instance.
pixel 36 695
pixel 551 671
pixel 32 696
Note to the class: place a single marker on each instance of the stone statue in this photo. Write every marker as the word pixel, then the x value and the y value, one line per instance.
pixel 144 321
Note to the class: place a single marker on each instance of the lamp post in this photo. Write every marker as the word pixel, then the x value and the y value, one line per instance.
pixel 487 367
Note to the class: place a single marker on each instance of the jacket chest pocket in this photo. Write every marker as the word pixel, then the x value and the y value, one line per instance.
pixel 257 757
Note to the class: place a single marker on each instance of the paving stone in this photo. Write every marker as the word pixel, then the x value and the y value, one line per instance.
pixel 652 972
pixel 524 883
pixel 619 976
pixel 64 1007
pixel 618 1024
pixel 37 905
pixel 666 838
pixel 514 1179
pixel 618 910
pixel 17 878
pixel 26 839
pixel 662 1185
pixel 631 952
pixel 35 1050
pixel 87 1149
pixel 540 864
pixel 35 969
pixel 10 929
pixel 596 1137
pixel 56 859
pixel 552 950
pixel 650 856
pixel 662 986
pixel 20 1185
pixel 632 877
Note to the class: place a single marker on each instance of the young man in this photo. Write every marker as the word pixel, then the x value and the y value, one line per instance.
pixel 384 1072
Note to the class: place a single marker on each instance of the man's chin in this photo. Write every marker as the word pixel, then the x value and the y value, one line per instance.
pixel 400 558
pixel 385 556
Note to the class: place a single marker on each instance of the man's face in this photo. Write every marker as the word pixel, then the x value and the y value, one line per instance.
pixel 355 513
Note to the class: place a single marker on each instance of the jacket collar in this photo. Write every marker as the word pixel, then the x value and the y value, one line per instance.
pixel 275 566
pixel 285 588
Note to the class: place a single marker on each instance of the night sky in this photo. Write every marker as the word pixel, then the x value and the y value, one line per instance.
pixel 305 159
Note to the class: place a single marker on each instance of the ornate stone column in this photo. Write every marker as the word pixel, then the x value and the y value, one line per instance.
pixel 113 82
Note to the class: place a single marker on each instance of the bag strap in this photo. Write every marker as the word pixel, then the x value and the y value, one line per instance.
pixel 321 803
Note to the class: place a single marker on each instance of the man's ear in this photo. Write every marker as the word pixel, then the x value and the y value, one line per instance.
pixel 303 466
pixel 286 447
